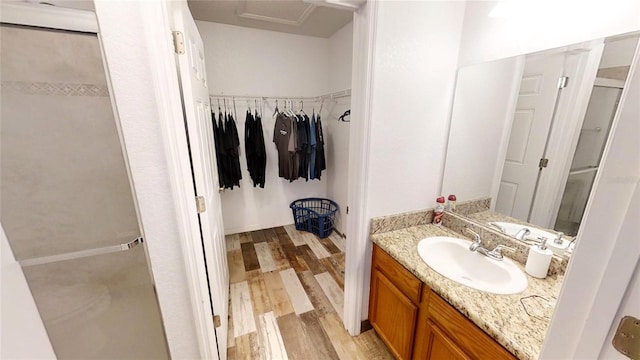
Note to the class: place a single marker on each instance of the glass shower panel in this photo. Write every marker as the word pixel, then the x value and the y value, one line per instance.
pixel 595 128
pixel 593 138
pixel 64 189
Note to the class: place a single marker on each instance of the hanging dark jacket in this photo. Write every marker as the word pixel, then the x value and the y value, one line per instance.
pixel 254 149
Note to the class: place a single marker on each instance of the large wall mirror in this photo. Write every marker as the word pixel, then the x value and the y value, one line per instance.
pixel 528 132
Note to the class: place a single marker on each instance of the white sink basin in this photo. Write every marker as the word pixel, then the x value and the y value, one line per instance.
pixel 535 234
pixel 451 258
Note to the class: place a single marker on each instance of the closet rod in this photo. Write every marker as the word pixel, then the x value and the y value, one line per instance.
pixel 331 96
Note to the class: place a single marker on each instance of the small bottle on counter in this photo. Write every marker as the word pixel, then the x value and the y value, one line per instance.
pixel 451 205
pixel 539 260
pixel 438 212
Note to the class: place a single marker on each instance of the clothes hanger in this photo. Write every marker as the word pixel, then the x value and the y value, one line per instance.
pixel 235 113
pixel 292 108
pixel 276 110
pixel 346 113
pixel 302 108
pixel 224 102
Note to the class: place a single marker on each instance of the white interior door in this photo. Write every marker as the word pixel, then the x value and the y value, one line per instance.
pixel 529 132
pixel 195 96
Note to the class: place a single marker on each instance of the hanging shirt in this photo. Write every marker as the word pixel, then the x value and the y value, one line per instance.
pixel 261 163
pixel 302 147
pixel 282 138
pixel 294 155
pixel 320 163
pixel 232 142
pixel 312 147
pixel 217 139
pixel 254 149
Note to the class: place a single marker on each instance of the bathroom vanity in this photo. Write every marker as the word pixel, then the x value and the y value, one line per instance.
pixel 421 314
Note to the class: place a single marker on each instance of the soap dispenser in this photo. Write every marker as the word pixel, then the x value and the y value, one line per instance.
pixel 539 260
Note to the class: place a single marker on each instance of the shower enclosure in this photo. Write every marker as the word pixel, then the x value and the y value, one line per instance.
pixel 586 160
pixel 66 200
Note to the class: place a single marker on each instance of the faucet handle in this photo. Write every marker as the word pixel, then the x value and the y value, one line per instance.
pixel 558 240
pixel 476 236
pixel 497 251
pixel 504 247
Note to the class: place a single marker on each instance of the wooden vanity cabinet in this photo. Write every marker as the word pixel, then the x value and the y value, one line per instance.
pixel 444 333
pixel 393 303
pixel 416 323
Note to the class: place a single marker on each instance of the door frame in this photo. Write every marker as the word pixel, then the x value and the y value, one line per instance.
pixel 157 25
pixel 358 246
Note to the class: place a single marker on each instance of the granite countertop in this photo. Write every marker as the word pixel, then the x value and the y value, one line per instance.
pixel 503 317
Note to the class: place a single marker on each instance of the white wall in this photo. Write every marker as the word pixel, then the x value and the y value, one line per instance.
pixel 538 25
pixel 480 127
pixel 123 39
pixel 416 52
pixel 413 77
pixel 244 61
pixel 337 137
pixel 22 333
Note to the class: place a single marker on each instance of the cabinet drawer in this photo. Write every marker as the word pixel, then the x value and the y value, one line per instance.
pixel 465 333
pixel 404 280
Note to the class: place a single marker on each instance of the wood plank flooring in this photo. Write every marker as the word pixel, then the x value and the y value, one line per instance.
pixel 286 298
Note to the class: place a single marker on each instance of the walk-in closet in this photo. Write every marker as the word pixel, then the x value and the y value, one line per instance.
pixel 279 81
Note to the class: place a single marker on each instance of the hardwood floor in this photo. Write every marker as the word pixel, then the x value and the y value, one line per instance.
pixel 286 298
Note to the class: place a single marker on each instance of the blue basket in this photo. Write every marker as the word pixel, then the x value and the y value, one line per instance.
pixel 314 215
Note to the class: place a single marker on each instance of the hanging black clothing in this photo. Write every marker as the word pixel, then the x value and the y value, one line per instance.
pixel 320 163
pixel 302 147
pixel 254 149
pixel 218 139
pixel 231 144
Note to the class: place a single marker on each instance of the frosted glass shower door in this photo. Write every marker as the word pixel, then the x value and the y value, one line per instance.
pixel 586 160
pixel 65 191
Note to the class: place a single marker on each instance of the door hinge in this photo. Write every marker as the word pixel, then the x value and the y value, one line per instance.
pixel 627 338
pixel 543 163
pixel 216 321
pixel 200 204
pixel 562 82
pixel 178 42
pixel 347 210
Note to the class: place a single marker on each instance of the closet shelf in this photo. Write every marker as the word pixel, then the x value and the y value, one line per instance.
pixel 325 97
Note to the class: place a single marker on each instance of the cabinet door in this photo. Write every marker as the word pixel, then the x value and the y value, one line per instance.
pixel 440 346
pixel 392 315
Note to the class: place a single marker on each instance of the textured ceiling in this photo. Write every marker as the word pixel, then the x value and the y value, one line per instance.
pixel 290 16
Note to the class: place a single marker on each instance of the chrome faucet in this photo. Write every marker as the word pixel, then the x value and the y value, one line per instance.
pixel 558 240
pixel 522 233
pixel 476 245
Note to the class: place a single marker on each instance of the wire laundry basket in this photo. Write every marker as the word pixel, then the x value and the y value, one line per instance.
pixel 314 215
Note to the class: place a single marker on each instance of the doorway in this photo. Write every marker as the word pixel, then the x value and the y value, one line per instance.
pixel 255 76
